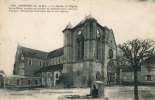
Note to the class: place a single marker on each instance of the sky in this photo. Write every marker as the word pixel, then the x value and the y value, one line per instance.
pixel 129 19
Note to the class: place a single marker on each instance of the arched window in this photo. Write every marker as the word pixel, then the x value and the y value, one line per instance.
pixel 57 76
pixel 29 62
pixel 17 81
pixel 80 42
pixel 110 53
pixel 97 43
pixel 40 63
pixel 79 32
pixel 22 57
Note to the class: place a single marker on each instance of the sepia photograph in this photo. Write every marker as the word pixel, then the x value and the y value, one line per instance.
pixel 77 50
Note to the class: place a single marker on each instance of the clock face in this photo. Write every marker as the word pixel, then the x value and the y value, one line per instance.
pixel 110 53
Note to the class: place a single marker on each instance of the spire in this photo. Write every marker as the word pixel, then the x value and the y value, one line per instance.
pixel 69 26
pixel 89 16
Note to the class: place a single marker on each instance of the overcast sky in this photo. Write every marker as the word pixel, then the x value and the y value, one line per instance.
pixel 43 31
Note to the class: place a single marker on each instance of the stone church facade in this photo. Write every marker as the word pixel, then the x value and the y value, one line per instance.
pixel 85 57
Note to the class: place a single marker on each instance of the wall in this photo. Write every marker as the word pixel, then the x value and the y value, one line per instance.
pixel 12 82
pixel 30 70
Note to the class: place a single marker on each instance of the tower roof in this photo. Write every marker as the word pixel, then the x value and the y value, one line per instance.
pixel 69 26
pixel 89 17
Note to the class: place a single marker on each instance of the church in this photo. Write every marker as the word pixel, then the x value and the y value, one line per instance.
pixel 87 55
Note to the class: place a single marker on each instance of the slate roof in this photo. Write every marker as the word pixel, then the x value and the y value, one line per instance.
pixel 32 53
pixel 51 68
pixel 55 53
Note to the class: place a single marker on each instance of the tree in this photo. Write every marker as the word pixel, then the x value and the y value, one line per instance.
pixel 135 52
pixel 120 62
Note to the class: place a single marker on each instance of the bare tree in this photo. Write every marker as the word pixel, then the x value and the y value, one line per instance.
pixel 135 52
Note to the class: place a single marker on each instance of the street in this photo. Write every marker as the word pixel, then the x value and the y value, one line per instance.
pixel 113 93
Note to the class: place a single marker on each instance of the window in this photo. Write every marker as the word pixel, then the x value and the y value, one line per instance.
pixel 148 77
pixel 78 73
pixel 29 62
pixel 145 78
pixel 10 81
pixel 34 54
pixel 97 43
pixel 59 60
pixel 36 82
pixel 29 82
pixel 17 81
pixel 97 31
pixel 110 53
pixel 56 75
pixel 80 45
pixel 79 32
pixel 40 63
pixel 22 57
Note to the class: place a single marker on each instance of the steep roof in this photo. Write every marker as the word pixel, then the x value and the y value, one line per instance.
pixel 55 53
pixel 32 53
pixel 51 68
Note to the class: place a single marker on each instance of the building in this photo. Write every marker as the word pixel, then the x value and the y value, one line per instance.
pixel 18 81
pixel 2 75
pixel 87 54
pixel 146 74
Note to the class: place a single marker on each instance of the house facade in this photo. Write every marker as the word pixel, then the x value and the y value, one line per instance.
pixel 86 56
pixel 146 74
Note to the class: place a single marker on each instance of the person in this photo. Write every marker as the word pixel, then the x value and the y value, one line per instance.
pixel 94 92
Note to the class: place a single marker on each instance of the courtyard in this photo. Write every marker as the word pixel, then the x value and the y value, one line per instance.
pixel 113 93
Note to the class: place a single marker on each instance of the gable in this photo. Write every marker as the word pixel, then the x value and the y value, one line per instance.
pixel 31 53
